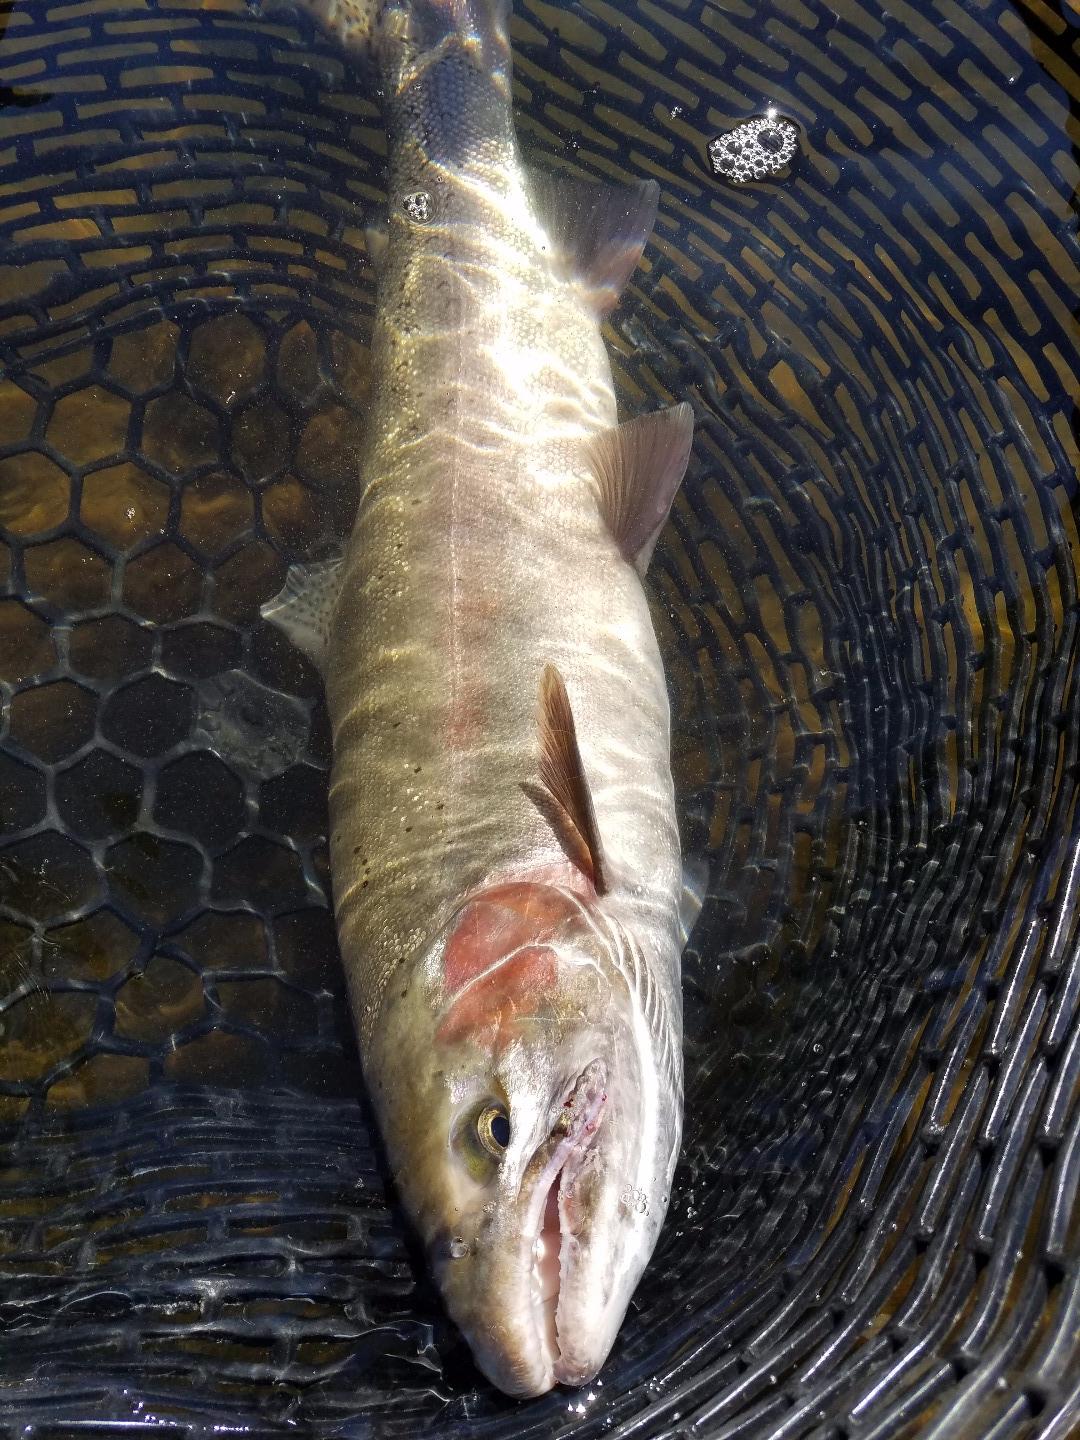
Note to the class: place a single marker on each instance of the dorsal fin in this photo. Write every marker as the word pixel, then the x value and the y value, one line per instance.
pixel 598 231
pixel 304 606
pixel 564 782
pixel 639 467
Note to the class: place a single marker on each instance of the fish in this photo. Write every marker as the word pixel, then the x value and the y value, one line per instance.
pixel 504 846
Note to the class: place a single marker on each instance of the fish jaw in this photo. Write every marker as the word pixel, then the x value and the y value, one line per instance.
pixel 538 1254
pixel 543 1287
pixel 523 1269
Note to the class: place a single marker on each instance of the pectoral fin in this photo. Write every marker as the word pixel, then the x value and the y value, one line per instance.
pixel 695 886
pixel 565 796
pixel 639 467
pixel 303 607
pixel 596 231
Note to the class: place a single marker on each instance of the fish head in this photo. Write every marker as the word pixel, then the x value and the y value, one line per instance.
pixel 533 1130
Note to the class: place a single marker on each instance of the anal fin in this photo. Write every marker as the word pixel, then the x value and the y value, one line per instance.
pixel 638 468
pixel 304 606
pixel 597 231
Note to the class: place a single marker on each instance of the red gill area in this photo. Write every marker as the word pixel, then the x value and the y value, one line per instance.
pixel 498 963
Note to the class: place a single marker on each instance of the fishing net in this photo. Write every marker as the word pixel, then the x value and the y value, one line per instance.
pixel 867 601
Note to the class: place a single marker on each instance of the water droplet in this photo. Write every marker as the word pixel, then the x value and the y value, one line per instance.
pixel 459 1248
pixel 418 206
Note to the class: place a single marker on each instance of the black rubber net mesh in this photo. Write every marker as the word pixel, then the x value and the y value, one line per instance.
pixel 868 607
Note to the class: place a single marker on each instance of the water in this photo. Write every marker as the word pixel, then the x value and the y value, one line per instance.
pixel 867 602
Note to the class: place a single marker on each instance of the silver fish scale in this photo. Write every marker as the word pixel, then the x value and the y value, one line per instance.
pixel 868 607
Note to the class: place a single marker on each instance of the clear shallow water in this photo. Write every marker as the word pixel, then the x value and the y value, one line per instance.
pixel 867 601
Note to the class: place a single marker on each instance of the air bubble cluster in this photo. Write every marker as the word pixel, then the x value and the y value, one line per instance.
pixel 755 150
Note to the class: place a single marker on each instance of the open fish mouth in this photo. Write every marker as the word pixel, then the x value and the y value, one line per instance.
pixel 554 1227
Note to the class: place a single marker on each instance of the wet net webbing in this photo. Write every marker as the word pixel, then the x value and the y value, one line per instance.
pixel 868 606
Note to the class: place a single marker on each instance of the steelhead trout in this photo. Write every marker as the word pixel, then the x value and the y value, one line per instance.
pixel 504 849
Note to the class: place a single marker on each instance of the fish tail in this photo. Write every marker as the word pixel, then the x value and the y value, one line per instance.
pixel 385 32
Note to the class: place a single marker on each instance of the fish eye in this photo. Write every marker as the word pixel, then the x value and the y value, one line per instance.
pixel 493 1130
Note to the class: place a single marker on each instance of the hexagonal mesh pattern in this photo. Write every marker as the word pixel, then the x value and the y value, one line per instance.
pixel 867 601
